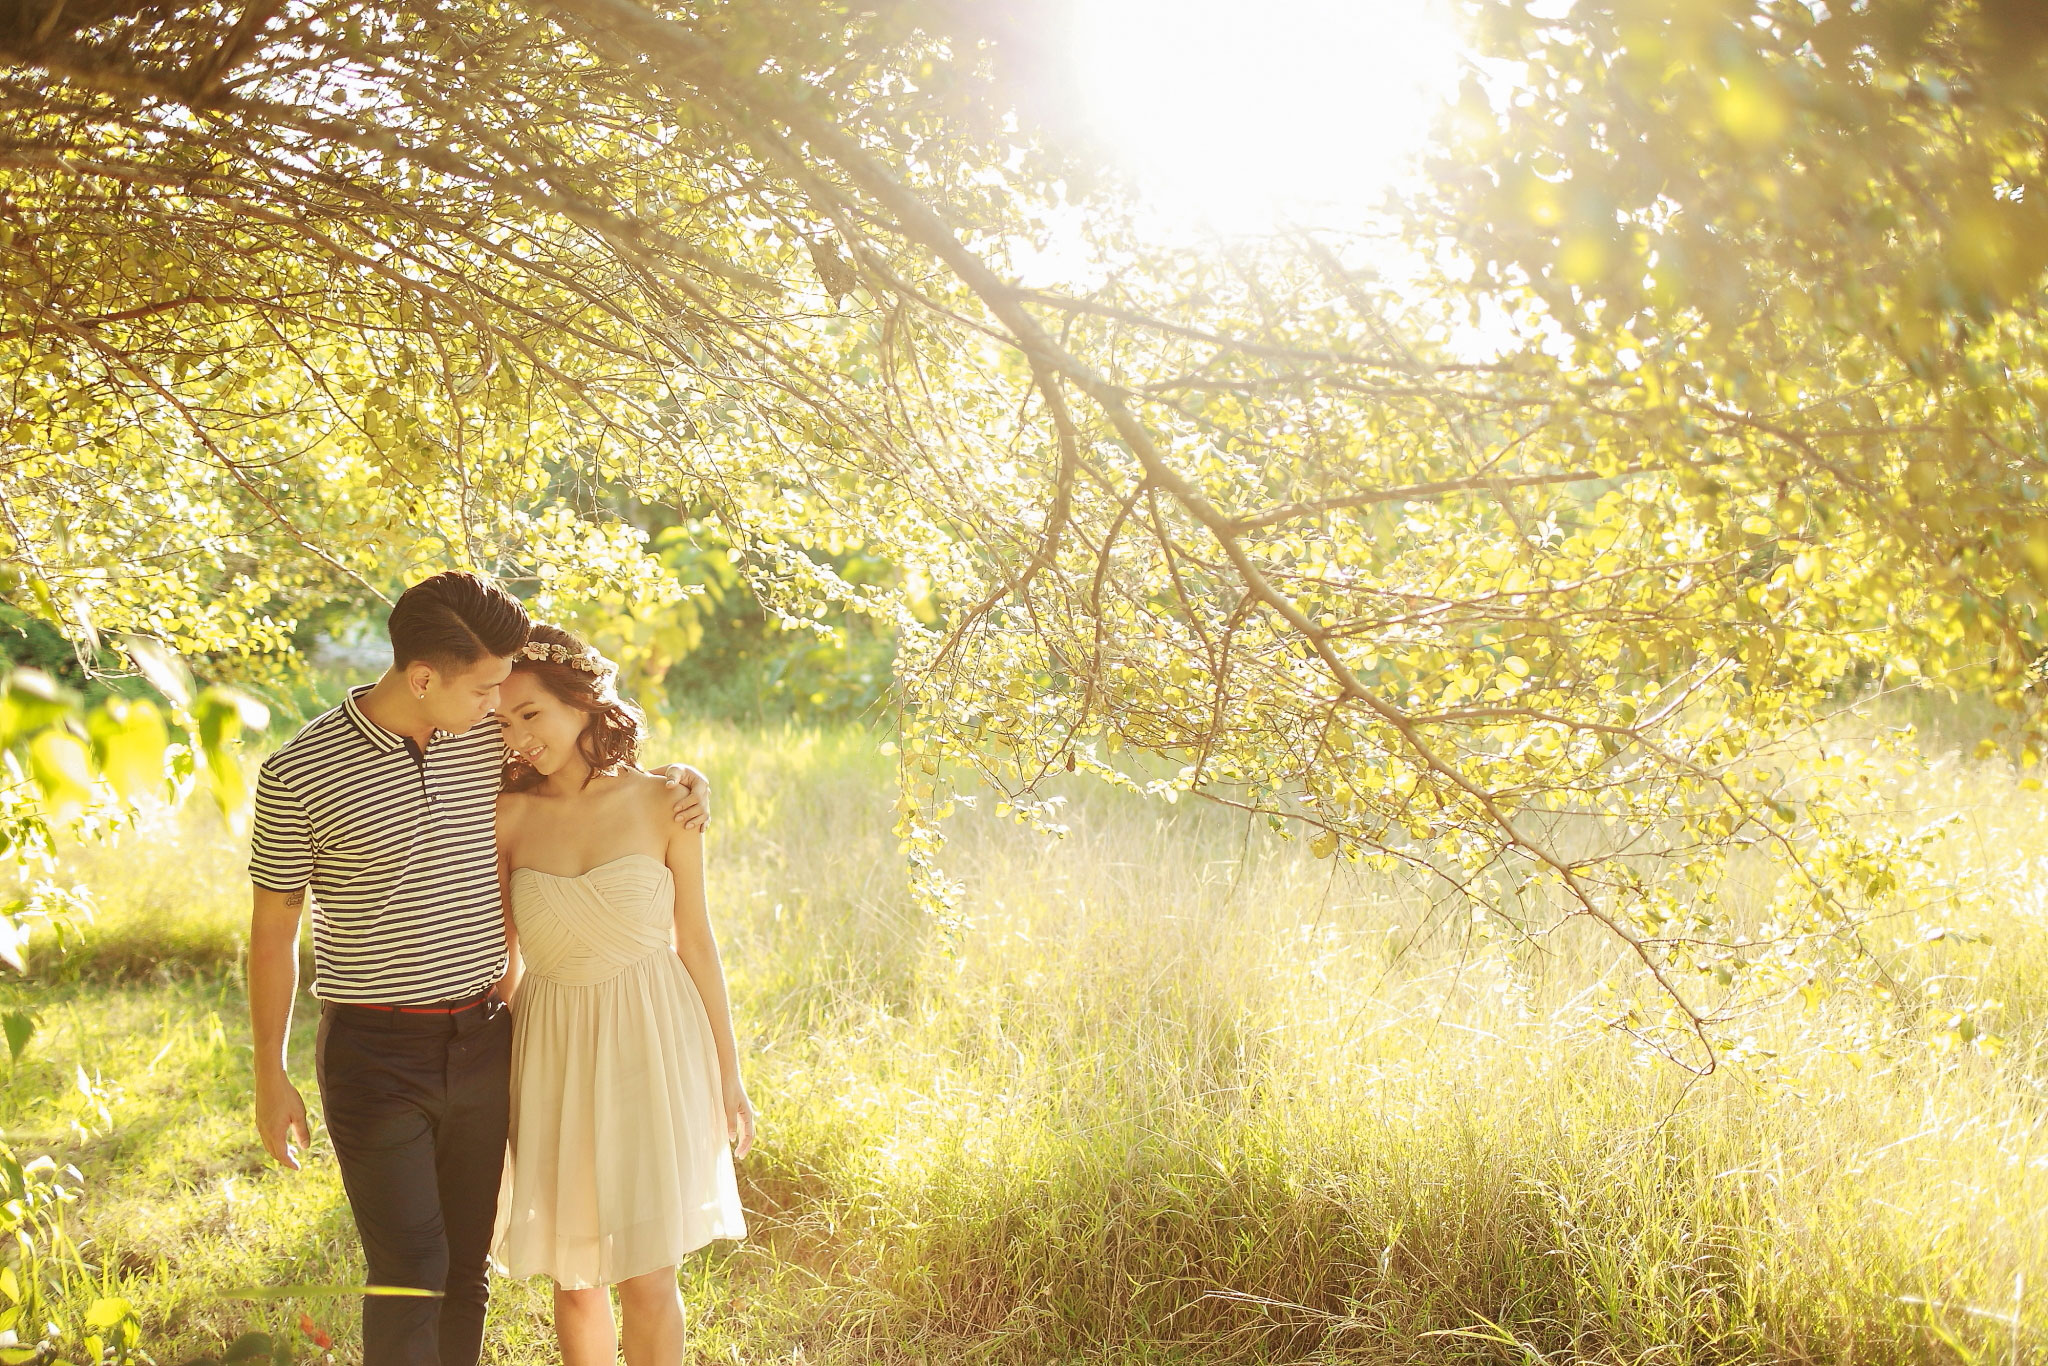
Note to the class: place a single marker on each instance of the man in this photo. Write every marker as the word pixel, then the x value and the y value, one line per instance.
pixel 384 808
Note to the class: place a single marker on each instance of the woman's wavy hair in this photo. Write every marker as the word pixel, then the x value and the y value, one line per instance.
pixel 610 740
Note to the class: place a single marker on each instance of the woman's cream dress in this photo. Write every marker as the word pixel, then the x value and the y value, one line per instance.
pixel 619 1158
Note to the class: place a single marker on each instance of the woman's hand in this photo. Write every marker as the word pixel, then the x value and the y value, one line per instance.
pixel 739 1118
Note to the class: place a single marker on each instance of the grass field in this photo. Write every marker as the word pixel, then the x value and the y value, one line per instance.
pixel 1178 1093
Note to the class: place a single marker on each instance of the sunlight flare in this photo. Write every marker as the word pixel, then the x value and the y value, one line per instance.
pixel 1248 116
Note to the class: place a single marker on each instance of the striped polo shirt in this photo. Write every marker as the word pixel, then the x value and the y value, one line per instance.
pixel 399 848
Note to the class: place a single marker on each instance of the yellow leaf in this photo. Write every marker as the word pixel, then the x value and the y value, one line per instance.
pixel 1582 260
pixel 1750 111
pixel 63 771
pixel 129 739
pixel 2035 551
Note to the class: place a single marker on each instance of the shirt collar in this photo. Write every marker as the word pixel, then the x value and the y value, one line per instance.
pixel 381 740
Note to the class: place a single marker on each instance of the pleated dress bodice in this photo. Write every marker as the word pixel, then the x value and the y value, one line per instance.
pixel 579 931
pixel 619 1158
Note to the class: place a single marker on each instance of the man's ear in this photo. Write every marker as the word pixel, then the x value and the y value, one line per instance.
pixel 419 675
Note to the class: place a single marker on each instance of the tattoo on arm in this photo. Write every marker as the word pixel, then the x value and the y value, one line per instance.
pixel 295 900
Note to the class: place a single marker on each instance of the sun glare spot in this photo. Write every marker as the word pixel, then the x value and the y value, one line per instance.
pixel 1249 116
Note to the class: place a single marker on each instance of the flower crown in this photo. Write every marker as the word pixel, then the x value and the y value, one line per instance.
pixel 589 661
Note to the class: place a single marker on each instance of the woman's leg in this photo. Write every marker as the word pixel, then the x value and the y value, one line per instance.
pixel 652 1309
pixel 583 1325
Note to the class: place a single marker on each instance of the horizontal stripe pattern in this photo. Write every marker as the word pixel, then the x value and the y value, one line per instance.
pixel 400 854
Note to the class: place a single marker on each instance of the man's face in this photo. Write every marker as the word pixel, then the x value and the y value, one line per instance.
pixel 458 700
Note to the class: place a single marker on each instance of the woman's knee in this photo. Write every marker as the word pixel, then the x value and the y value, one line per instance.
pixel 587 1302
pixel 654 1293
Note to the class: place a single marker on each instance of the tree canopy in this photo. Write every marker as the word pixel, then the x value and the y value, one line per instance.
pixel 1513 540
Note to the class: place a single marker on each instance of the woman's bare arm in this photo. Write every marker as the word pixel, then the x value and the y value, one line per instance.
pixel 697 946
pixel 509 983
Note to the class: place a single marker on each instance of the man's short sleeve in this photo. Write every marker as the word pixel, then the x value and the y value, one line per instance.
pixel 281 849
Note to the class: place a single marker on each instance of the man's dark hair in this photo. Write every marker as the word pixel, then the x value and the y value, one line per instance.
pixel 454 619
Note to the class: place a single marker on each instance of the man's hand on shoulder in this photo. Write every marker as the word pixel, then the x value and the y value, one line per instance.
pixel 691 792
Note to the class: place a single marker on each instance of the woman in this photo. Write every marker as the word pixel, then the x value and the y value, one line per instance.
pixel 625 1079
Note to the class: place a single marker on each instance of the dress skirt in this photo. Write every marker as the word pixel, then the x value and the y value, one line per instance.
pixel 619 1156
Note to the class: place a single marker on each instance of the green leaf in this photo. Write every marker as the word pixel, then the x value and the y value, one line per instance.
pixel 247 1347
pixel 222 714
pixel 109 1311
pixel 20 1027
pixel 31 701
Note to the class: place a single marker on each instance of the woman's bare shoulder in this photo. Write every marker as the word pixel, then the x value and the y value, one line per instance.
pixel 653 796
pixel 512 809
pixel 647 789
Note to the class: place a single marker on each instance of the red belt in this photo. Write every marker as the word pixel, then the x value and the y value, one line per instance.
pixel 455 1009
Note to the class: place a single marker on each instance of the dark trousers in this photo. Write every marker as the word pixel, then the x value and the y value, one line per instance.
pixel 417 1106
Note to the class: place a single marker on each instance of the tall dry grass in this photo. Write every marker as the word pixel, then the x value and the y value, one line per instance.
pixel 1179 1091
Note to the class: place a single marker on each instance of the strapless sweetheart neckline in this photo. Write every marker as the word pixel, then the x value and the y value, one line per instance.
pixel 573 877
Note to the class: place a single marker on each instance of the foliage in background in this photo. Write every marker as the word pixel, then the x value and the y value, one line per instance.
pixel 1460 546
pixel 1804 245
pixel 64 764
pixel 742 661
pixel 693 638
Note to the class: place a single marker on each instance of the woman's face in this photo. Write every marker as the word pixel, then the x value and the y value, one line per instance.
pixel 539 727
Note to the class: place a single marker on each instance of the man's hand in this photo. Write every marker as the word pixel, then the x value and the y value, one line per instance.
pixel 280 1114
pixel 692 793
pixel 273 981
